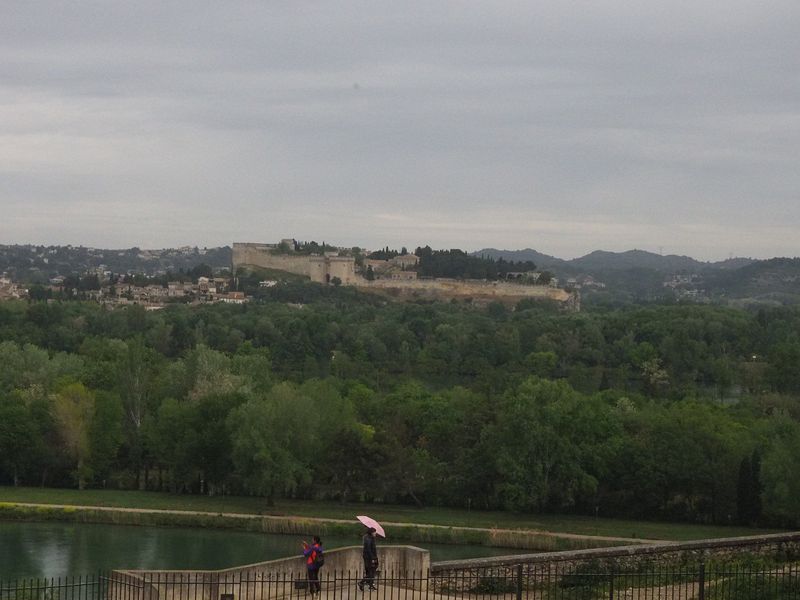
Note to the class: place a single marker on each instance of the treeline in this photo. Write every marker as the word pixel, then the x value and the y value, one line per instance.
pixel 457 264
pixel 460 265
pixel 683 412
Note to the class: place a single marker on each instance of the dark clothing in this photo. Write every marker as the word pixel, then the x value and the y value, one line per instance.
pixel 369 550
pixel 313 581
pixel 370 566
pixel 370 554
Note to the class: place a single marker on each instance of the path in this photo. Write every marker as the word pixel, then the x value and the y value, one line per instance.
pixel 388 524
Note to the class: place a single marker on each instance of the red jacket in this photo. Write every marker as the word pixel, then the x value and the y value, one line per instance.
pixel 311 552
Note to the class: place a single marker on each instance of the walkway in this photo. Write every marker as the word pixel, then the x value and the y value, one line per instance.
pixel 245 516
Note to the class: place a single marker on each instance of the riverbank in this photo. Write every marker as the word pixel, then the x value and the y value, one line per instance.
pixel 306 526
pixel 345 512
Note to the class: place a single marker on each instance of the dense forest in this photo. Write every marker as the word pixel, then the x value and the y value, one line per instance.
pixel 683 412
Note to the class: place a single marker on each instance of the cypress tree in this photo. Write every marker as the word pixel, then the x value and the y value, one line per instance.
pixel 755 487
pixel 743 492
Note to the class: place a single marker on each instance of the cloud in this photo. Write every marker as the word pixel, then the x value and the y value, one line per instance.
pixel 564 126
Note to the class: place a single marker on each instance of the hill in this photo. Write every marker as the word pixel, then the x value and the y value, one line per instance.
pixel 543 261
pixel 600 260
pixel 641 275
pixel 776 280
pixel 35 264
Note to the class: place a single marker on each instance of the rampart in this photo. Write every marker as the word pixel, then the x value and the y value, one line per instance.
pixel 321 269
pixel 260 255
pixel 478 291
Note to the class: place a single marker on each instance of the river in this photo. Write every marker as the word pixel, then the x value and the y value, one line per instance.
pixel 58 549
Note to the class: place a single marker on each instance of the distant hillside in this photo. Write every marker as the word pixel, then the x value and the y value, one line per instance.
pixel 543 261
pixel 733 263
pixel 642 275
pixel 600 260
pixel 776 280
pixel 38 263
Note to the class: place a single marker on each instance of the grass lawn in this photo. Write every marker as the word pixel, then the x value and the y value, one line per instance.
pixel 407 514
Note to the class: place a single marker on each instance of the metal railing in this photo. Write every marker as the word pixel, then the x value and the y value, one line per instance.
pixel 518 582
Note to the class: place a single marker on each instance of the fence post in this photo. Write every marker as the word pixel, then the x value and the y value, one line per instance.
pixel 519 582
pixel 702 591
pixel 611 586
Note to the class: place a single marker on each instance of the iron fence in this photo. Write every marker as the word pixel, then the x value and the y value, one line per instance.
pixel 521 582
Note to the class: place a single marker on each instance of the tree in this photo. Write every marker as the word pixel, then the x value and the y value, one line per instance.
pixel 173 440
pixel 781 483
pixel 135 378
pixel 537 446
pixel 743 492
pixel 74 407
pixel 270 442
pixel 17 436
pixel 105 435
pixel 201 270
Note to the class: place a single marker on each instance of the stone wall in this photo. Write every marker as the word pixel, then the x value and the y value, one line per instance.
pixel 781 546
pixel 477 291
pixel 320 269
pixel 260 255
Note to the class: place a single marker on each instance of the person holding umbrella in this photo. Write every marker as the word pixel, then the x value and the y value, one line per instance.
pixel 369 552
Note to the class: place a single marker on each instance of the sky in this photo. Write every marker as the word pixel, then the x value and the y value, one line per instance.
pixel 566 126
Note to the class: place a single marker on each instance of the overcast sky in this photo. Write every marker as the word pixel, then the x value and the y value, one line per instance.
pixel 564 126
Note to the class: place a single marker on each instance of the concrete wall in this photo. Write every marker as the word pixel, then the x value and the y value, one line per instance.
pixel 270 579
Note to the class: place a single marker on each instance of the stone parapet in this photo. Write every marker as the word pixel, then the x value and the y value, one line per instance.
pixel 269 579
pixel 780 546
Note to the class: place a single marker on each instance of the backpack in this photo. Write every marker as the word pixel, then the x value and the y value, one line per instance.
pixel 319 559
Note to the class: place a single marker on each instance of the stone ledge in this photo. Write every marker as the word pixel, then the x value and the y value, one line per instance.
pixel 619 552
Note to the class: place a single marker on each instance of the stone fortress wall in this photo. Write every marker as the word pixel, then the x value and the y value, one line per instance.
pixel 478 291
pixel 322 269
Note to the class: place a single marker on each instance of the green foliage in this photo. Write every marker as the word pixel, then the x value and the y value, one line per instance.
pixel 74 409
pixel 319 392
pixel 458 264
pixel 750 586
pixel 781 483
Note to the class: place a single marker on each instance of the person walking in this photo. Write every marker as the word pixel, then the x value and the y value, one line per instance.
pixel 370 554
pixel 315 558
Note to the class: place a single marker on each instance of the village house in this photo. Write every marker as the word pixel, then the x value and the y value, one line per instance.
pixel 10 290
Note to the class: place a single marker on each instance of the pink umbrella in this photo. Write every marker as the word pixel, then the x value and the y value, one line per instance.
pixel 370 522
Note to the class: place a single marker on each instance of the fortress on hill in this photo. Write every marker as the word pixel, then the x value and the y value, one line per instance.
pixel 280 257
pixel 394 277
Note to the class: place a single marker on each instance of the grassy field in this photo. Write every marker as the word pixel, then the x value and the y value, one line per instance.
pixel 387 513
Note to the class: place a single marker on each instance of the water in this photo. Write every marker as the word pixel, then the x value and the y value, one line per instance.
pixel 58 549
